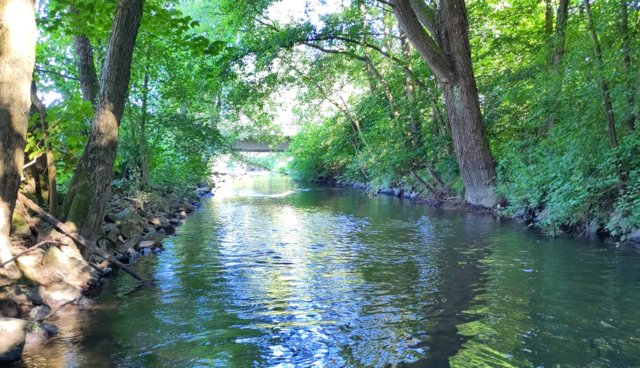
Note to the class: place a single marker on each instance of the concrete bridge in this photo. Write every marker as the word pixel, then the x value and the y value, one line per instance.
pixel 250 145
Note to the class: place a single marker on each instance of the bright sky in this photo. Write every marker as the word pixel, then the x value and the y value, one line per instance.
pixel 290 11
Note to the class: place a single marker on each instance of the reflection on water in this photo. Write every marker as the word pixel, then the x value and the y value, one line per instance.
pixel 277 274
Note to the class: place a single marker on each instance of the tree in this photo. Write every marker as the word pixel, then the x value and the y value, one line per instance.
pixel 441 38
pixel 17 59
pixel 85 202
pixel 86 68
pixel 602 81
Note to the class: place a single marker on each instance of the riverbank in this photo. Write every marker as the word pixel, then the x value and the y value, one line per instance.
pixel 49 275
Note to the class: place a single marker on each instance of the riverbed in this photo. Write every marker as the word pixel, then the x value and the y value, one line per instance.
pixel 273 273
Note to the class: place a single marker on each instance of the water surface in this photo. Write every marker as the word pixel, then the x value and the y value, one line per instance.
pixel 270 273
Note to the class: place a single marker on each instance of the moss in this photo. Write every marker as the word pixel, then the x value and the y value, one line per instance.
pixel 19 225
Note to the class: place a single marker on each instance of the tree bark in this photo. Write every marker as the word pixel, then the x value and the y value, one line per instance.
pixel 85 202
pixel 17 59
pixel 50 157
pixel 144 154
pixel 450 62
pixel 556 59
pixel 630 90
pixel 604 86
pixel 86 69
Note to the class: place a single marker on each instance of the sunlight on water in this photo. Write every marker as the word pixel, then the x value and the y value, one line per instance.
pixel 270 273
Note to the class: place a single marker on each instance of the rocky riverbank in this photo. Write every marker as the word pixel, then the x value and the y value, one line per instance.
pixel 54 275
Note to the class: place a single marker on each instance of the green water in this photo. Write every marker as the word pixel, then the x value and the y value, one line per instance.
pixel 270 273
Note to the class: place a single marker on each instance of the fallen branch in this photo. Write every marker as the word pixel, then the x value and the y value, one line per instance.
pixel 28 250
pixel 77 237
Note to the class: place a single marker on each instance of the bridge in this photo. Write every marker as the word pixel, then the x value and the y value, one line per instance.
pixel 251 145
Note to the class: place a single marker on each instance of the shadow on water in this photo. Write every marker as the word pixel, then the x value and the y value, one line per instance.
pixel 270 273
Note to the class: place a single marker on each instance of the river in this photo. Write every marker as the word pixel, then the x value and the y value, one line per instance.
pixel 272 273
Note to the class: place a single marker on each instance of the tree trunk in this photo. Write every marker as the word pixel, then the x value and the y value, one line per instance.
pixel 144 154
pixel 17 59
pixel 51 164
pixel 604 86
pixel 556 60
pixel 85 202
pixel 630 90
pixel 86 69
pixel 450 62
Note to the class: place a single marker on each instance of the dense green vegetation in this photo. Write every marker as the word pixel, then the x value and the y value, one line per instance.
pixel 383 93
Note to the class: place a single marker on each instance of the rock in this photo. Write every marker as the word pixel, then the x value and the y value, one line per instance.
pixel 59 294
pixel 40 332
pixel 175 221
pixel 128 222
pixel 73 268
pixel 181 214
pixel 39 313
pixel 22 294
pixel 164 222
pixel 154 236
pixel 9 308
pixel 111 232
pixel 13 332
pixel 169 230
pixel 188 207
pixel 129 243
pixel 146 244
pixel 634 236
pixel 110 218
pixel 19 226
pixel 34 270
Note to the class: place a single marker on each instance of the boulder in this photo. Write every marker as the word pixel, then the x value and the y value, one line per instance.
pixel 13 332
pixel 175 221
pixel 154 236
pixel 634 236
pixel 146 244
pixel 58 294
pixel 129 244
pixel 73 268
pixel 164 222
pixel 181 214
pixel 128 222
pixel 111 232
pixel 34 270
pixel 39 313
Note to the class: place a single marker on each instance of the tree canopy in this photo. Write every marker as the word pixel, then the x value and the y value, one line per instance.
pixel 543 114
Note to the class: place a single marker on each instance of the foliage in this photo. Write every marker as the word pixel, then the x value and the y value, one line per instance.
pixel 208 72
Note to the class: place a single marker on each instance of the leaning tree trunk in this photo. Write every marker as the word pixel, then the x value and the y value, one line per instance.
pixel 450 61
pixel 477 167
pixel 17 59
pixel 85 202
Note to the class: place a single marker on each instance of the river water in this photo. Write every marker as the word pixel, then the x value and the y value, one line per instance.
pixel 272 273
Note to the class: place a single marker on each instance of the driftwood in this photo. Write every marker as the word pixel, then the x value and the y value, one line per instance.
pixel 77 237
pixel 28 250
